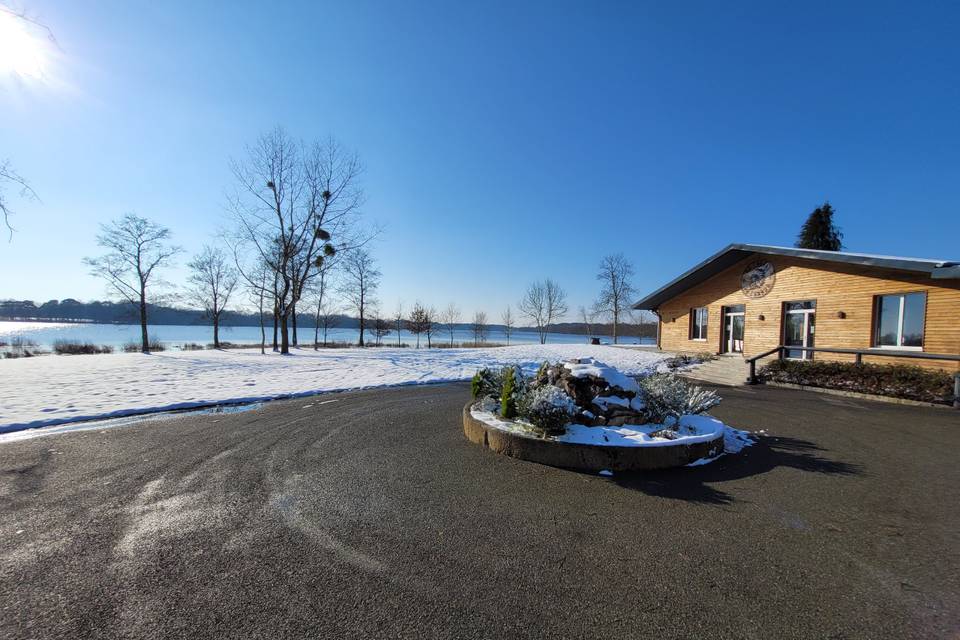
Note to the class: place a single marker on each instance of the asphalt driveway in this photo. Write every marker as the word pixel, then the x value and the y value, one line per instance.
pixel 368 515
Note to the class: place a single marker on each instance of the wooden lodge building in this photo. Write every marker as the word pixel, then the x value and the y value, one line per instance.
pixel 748 299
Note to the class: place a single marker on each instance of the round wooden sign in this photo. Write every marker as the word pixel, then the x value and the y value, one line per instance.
pixel 758 279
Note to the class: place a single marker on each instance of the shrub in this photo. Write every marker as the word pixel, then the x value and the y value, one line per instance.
pixel 548 409
pixel 191 346
pixel 909 382
pixel 486 382
pixel 686 359
pixel 669 396
pixel 75 347
pixel 465 345
pixel 21 347
pixel 513 387
pixel 135 347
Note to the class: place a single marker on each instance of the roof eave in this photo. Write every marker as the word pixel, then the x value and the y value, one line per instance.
pixel 938 270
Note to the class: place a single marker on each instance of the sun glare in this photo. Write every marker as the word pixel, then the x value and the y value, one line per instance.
pixel 21 52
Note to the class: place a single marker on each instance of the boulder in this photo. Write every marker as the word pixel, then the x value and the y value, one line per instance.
pixel 588 383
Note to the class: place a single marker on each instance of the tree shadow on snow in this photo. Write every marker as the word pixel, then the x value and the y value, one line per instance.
pixel 695 484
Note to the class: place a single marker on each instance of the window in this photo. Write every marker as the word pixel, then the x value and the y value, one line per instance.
pixel 698 323
pixel 900 320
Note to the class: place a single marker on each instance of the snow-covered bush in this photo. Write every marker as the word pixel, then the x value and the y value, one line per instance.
pixel 486 382
pixel 682 360
pixel 547 408
pixel 669 396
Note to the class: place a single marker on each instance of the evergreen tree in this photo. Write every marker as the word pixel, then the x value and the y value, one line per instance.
pixel 819 232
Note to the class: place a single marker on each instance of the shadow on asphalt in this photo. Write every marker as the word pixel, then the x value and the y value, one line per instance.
pixel 694 484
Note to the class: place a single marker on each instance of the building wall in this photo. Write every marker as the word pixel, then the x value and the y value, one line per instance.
pixel 835 287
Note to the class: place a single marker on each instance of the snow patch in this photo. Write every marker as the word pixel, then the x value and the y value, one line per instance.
pixel 593 367
pixel 51 390
pixel 734 441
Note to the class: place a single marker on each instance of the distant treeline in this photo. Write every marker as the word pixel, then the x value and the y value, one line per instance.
pixel 106 312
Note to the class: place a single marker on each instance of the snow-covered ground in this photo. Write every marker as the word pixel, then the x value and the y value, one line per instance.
pixel 51 390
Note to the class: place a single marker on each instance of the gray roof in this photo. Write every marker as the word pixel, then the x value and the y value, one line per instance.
pixel 734 253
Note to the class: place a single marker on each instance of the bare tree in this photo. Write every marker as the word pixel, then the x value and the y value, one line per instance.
pixel 480 328
pixel 450 317
pixel 398 319
pixel 137 248
pixel 359 287
pixel 418 320
pixel 617 292
pixel 327 317
pixel 430 325
pixel 381 326
pixel 256 282
pixel 8 176
pixel 544 302
pixel 291 200
pixel 588 317
pixel 258 291
pixel 508 321
pixel 325 313
pixel 212 281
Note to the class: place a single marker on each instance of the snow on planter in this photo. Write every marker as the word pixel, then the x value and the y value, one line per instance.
pixel 609 416
pixel 693 429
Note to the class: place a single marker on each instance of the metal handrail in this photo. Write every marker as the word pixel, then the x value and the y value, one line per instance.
pixel 859 353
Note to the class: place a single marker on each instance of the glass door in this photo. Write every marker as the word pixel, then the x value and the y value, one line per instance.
pixel 733 324
pixel 799 326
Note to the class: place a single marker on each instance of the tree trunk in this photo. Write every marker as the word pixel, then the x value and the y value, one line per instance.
pixel 361 325
pixel 276 318
pixel 398 333
pixel 293 321
pixel 263 332
pixel 616 319
pixel 284 335
pixel 216 331
pixel 144 340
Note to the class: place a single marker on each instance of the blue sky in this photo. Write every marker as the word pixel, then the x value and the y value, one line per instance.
pixel 502 143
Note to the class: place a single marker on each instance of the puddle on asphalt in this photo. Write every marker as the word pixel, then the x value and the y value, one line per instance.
pixel 126 421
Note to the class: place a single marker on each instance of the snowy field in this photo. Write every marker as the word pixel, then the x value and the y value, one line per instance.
pixel 51 390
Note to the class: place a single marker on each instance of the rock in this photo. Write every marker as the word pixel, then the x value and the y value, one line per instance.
pixel 600 402
pixel 669 434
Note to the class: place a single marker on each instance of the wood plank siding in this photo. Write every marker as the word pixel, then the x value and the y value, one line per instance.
pixel 836 287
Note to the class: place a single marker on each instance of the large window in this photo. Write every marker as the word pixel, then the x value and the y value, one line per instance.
pixel 900 320
pixel 698 323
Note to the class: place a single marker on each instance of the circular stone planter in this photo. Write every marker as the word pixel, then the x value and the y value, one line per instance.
pixel 587 457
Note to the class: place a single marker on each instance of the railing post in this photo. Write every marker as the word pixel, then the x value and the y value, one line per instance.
pixel 859 358
pixel 753 372
pixel 956 390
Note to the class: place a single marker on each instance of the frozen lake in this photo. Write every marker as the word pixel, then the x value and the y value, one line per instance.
pixel 116 335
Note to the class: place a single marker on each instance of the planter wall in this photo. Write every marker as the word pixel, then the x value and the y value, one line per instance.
pixel 585 457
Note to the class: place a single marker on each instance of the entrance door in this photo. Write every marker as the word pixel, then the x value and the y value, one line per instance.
pixel 733 318
pixel 799 320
